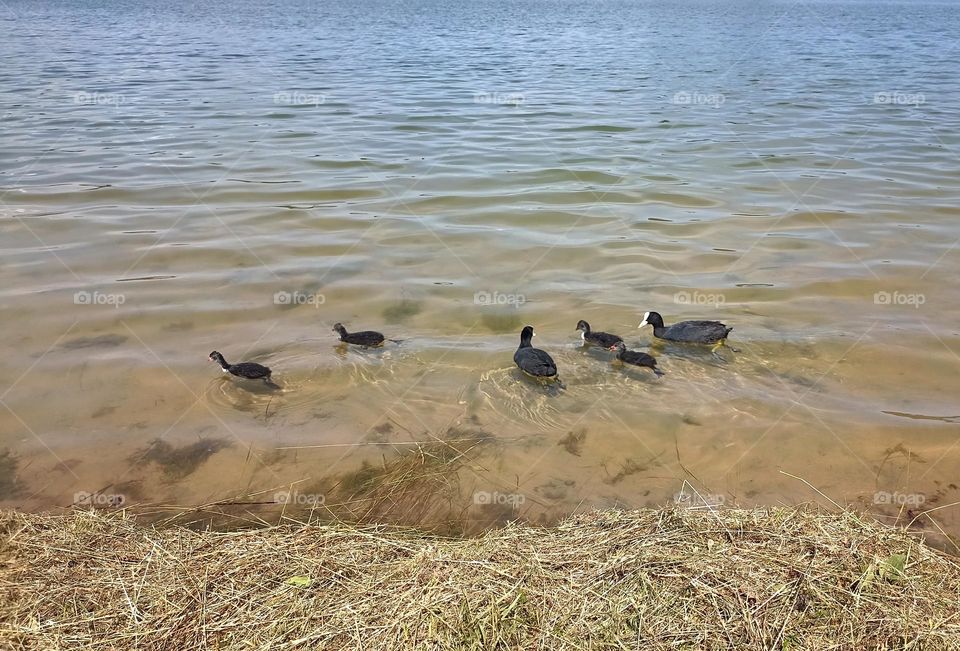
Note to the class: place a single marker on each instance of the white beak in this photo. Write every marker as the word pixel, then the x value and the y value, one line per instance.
pixel 642 323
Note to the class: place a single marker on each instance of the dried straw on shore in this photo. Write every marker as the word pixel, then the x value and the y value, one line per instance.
pixel 650 579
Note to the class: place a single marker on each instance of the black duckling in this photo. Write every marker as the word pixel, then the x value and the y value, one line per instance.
pixel 693 332
pixel 365 338
pixel 533 361
pixel 604 339
pixel 247 370
pixel 636 358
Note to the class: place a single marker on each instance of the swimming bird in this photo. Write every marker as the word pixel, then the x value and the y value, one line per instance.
pixel 694 332
pixel 365 338
pixel 533 361
pixel 604 339
pixel 248 370
pixel 636 358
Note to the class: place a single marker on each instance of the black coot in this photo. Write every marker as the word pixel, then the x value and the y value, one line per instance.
pixel 365 338
pixel 604 339
pixel 636 358
pixel 248 370
pixel 534 361
pixel 694 332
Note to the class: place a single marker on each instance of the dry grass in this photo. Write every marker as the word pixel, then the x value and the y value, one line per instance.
pixel 651 579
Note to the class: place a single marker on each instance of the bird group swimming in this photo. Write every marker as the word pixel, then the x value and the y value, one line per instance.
pixel 535 362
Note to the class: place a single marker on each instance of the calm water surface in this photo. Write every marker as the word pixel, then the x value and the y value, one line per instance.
pixel 239 176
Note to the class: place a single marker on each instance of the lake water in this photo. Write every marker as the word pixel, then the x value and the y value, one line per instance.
pixel 240 176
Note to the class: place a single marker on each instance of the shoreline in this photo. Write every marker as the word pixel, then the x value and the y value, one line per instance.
pixel 782 578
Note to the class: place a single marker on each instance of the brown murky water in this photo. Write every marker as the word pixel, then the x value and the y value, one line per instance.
pixel 241 178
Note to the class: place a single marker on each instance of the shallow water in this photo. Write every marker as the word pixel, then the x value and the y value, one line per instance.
pixel 240 176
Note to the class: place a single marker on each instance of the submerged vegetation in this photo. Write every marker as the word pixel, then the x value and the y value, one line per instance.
pixel 9 486
pixel 418 485
pixel 651 579
pixel 178 462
